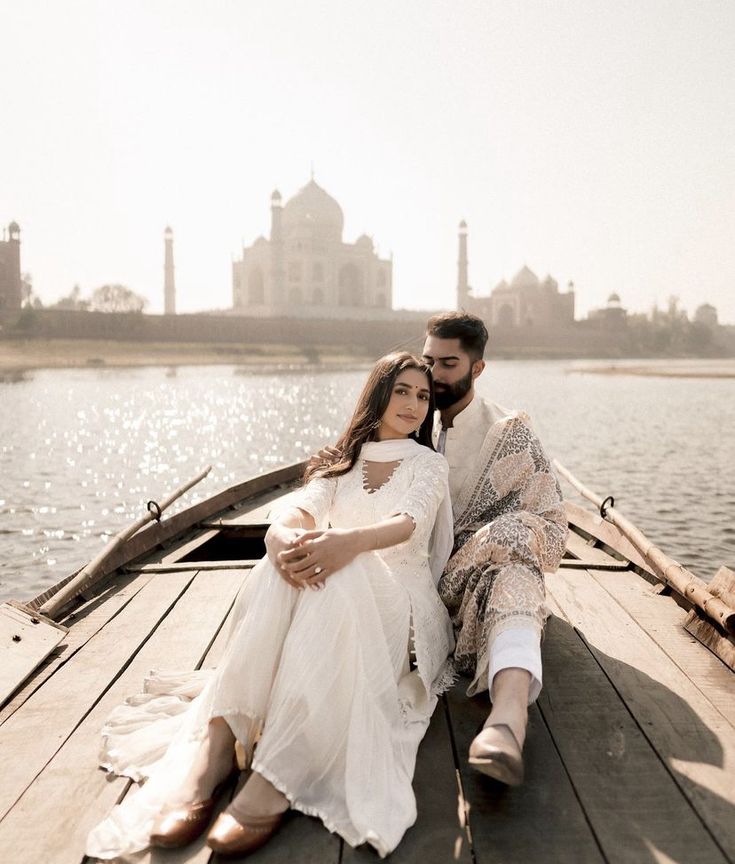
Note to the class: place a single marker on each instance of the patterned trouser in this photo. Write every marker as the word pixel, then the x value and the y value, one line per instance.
pixel 492 583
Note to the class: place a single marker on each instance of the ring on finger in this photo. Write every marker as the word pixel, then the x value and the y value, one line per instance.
pixel 318 570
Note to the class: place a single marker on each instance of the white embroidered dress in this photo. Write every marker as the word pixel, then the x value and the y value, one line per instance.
pixel 323 677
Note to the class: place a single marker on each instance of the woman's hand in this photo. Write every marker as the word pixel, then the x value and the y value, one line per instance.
pixel 318 555
pixel 278 540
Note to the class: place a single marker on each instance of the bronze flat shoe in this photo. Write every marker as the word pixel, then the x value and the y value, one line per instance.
pixel 501 762
pixel 229 836
pixel 181 825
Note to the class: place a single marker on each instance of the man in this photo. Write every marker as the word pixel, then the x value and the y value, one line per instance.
pixel 509 526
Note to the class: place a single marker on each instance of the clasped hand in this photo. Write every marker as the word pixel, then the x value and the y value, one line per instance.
pixel 314 556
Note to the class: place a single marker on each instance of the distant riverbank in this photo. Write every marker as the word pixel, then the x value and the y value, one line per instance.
pixel 724 368
pixel 20 355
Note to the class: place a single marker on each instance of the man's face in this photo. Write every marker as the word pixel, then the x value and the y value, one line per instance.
pixel 451 368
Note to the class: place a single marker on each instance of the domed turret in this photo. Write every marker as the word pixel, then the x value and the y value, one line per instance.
pixel 364 241
pixel 276 197
pixel 313 209
pixel 525 278
pixel 613 300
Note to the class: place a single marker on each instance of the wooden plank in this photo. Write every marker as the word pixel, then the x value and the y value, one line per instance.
pixel 575 564
pixel 637 813
pixel 438 834
pixel 26 640
pixel 252 513
pixel 72 794
pixel 35 732
pixel 692 739
pixel 244 564
pixel 176 551
pixel 582 550
pixel 542 820
pixel 82 624
pixel 662 619
pixel 607 533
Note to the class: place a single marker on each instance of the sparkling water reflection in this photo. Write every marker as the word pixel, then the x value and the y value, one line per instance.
pixel 82 450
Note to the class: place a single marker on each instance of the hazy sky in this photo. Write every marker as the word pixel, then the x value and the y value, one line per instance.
pixel 591 140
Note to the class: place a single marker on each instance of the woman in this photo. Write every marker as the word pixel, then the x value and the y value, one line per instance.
pixel 317 668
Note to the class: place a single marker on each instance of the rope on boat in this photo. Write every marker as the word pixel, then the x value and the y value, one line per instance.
pixel 89 573
pixel 666 568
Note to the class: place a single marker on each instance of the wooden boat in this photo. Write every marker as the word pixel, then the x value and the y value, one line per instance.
pixel 631 746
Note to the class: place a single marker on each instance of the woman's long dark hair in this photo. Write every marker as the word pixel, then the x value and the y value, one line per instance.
pixel 369 411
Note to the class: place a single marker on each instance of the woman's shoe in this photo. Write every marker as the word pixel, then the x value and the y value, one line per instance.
pixel 182 825
pixel 229 836
pixel 502 763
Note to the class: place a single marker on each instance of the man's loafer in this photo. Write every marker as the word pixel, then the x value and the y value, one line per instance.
pixel 500 759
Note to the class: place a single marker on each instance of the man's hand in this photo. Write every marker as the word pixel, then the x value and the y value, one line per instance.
pixel 330 455
pixel 278 540
pixel 318 555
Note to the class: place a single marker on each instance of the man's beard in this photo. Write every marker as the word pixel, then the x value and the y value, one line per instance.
pixel 452 393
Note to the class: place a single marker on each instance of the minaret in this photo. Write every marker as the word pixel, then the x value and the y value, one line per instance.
pixel 275 295
pixel 169 286
pixel 463 289
pixel 14 296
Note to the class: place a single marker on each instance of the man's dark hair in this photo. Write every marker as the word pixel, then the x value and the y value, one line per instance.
pixel 469 329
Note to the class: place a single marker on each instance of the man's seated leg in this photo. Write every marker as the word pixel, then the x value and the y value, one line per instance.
pixel 514 682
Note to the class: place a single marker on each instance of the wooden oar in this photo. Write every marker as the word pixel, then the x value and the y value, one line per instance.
pixel 89 572
pixel 666 568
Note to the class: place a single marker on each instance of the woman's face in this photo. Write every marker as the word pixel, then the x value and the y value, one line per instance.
pixel 408 406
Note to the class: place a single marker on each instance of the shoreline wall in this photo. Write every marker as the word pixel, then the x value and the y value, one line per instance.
pixel 360 338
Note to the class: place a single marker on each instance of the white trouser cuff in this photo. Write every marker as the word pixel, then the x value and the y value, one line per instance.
pixel 517 648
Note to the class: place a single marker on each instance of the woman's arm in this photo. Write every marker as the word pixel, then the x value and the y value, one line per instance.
pixel 284 534
pixel 318 554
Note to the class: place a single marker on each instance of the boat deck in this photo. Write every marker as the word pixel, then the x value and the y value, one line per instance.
pixel 630 754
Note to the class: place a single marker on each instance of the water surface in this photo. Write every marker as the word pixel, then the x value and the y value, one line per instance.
pixel 82 450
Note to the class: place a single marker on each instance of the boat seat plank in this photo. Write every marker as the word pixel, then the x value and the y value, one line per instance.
pixel 254 512
pixel 26 640
pixel 72 794
pixel 663 620
pixel 56 709
pixel 176 551
pixel 83 624
pixel 581 549
pixel 541 820
pixel 689 735
pixel 175 567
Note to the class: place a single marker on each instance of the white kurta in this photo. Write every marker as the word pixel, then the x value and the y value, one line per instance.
pixel 322 677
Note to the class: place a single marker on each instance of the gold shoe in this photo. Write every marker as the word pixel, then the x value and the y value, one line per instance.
pixel 504 764
pixel 181 825
pixel 229 836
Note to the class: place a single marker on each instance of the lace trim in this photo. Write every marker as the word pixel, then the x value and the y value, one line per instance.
pixel 446 679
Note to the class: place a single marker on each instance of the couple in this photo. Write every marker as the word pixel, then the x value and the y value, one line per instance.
pixel 341 635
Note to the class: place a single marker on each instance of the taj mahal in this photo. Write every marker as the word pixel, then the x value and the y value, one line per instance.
pixel 305 269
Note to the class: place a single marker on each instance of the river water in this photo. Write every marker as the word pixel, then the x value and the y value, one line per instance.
pixel 82 450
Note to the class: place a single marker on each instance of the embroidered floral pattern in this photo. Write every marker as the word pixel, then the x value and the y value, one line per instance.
pixel 512 528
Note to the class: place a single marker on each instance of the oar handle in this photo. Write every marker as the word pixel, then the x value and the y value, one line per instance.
pixel 666 568
pixel 89 572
